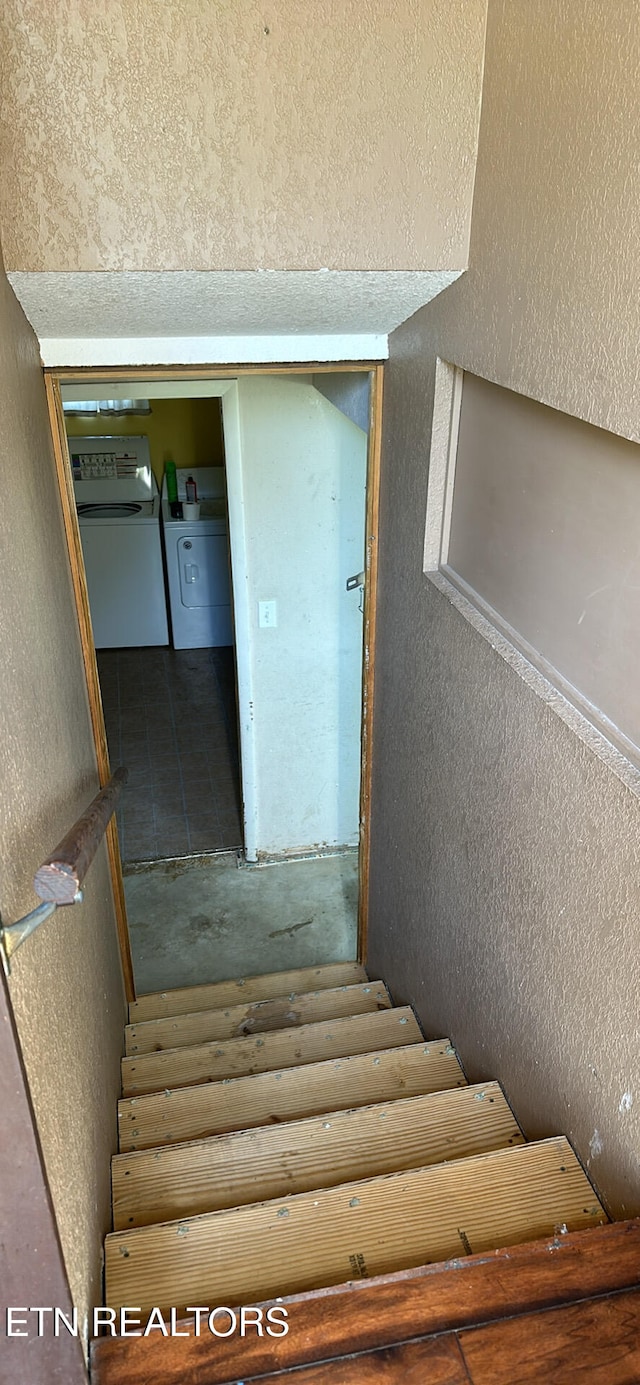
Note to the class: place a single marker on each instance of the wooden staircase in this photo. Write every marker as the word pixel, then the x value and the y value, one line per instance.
pixel 287 1134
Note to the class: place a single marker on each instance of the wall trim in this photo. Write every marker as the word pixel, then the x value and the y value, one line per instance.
pixel 241 605
pixel 588 721
pixel 599 736
pixel 447 401
pixel 77 352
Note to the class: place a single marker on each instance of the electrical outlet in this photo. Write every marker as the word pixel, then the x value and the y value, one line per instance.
pixel 267 614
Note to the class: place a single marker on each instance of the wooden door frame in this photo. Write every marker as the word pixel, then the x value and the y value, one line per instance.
pixel 57 376
pixel 374 454
pixel 79 584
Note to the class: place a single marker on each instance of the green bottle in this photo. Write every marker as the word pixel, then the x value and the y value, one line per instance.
pixel 172 482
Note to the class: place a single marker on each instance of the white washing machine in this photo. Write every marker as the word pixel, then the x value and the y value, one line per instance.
pixel 198 570
pixel 119 516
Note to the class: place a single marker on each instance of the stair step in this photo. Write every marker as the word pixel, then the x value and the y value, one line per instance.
pixel 218 994
pixel 321 1152
pixel 257 1017
pixel 190 1113
pixel 353 1318
pixel 353 1231
pixel 285 1048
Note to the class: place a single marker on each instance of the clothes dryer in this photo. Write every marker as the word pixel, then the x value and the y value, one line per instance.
pixel 198 567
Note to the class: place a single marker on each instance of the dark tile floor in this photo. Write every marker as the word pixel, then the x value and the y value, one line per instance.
pixel 171 719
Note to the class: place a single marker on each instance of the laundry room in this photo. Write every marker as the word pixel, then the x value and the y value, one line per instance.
pixel 158 578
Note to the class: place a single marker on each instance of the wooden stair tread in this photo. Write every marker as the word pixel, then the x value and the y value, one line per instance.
pixel 327 1323
pixel 432 1361
pixel 190 1113
pixel 595 1341
pixel 181 1067
pixel 319 1152
pixel 256 1017
pixel 358 1229
pixel 218 994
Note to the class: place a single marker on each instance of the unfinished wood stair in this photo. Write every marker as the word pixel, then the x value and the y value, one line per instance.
pixel 283 1134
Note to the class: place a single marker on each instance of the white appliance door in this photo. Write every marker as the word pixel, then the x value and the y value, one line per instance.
pixel 123 563
pixel 204 570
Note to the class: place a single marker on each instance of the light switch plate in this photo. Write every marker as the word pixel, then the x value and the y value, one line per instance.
pixel 268 614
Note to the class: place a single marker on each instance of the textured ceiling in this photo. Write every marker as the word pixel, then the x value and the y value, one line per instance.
pixel 211 304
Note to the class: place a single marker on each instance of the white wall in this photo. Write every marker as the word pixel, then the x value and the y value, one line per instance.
pixel 303 477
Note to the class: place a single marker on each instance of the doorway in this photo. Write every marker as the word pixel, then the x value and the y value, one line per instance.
pixel 280 564
pixel 164 646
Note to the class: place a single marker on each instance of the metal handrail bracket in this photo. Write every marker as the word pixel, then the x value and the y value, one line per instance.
pixel 13 934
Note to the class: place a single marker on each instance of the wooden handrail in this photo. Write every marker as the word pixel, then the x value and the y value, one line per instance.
pixel 59 878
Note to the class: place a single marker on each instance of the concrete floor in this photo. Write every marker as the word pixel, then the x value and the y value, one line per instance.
pixel 194 922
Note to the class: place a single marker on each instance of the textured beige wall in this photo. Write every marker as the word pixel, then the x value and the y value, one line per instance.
pixel 550 304
pixel 506 857
pixel 296 135
pixel 66 986
pixel 544 528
